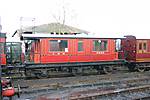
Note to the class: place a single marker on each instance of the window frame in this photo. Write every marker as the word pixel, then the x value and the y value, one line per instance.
pixel 49 45
pixel 118 45
pixel 140 46
pixel 144 46
pixel 104 49
pixel 80 41
pixel 3 48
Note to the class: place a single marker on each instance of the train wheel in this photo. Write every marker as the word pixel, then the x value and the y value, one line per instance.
pixel 74 72
pixel 107 69
pixel 131 67
pixel 10 98
pixel 27 73
pixel 141 69
pixel 40 75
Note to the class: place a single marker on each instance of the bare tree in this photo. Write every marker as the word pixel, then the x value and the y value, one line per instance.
pixel 63 13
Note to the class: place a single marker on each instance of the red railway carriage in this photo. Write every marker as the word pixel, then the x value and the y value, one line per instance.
pixel 128 48
pixel 61 49
pixel 2 53
pixel 143 50
pixel 81 52
pixel 143 54
pixel 136 52
pixel 69 52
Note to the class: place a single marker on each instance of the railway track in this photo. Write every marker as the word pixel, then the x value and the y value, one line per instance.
pixel 106 92
pixel 77 80
pixel 71 86
pixel 131 93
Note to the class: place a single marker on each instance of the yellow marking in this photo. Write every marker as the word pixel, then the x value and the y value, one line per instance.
pixel 143 59
pixel 139 52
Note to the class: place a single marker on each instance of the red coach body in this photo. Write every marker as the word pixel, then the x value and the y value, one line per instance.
pixel 74 53
pixel 135 50
pixel 143 50
pixel 2 44
pixel 46 50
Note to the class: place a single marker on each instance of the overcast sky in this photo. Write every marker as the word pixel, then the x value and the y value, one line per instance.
pixel 107 17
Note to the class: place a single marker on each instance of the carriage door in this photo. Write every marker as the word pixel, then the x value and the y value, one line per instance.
pixel 36 52
pixel 13 52
pixel 129 48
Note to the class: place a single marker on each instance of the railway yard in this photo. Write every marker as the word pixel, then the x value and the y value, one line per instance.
pixel 117 86
pixel 75 66
pixel 74 50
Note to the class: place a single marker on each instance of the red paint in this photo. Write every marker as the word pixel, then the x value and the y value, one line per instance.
pixel 41 54
pixel 8 92
pixel 128 48
pixel 148 45
pixel 5 82
pixel 7 88
pixel 3 56
pixel 142 54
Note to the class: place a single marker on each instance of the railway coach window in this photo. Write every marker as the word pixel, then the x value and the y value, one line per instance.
pixel 58 45
pixel 100 45
pixel 140 46
pixel 118 44
pixel 80 45
pixel 1 48
pixel 144 46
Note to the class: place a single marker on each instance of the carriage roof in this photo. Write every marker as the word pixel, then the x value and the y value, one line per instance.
pixel 80 36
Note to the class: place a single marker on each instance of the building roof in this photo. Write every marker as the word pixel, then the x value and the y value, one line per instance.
pixel 54 27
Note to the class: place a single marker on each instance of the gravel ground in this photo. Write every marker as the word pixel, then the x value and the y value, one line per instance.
pixel 77 82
